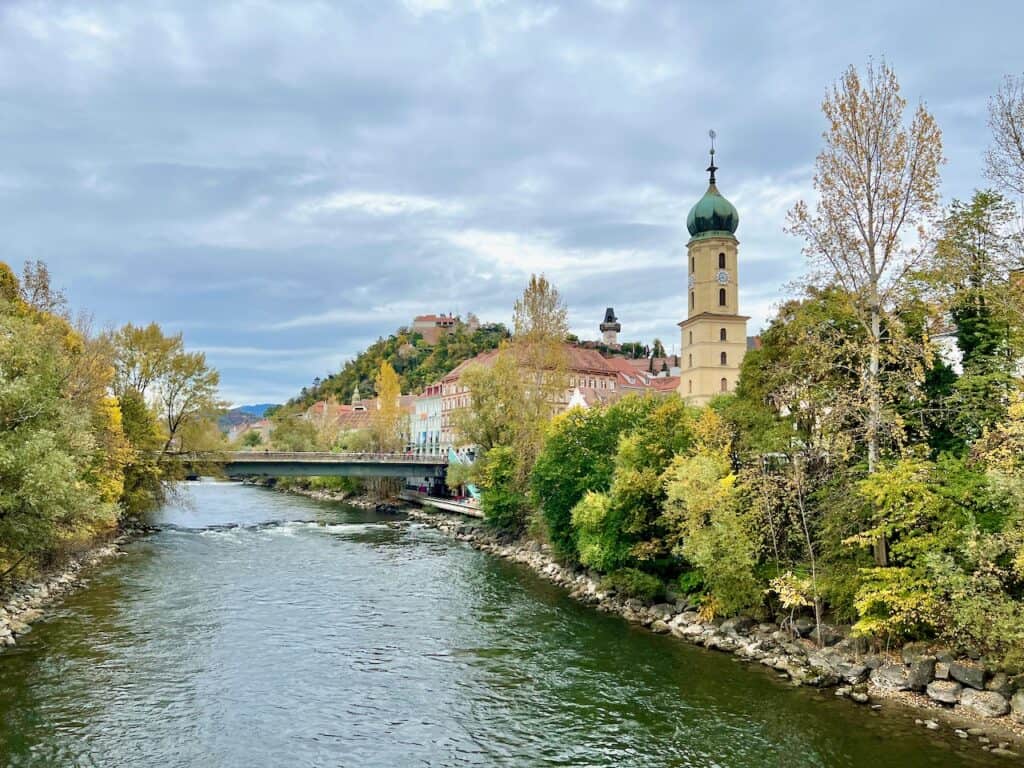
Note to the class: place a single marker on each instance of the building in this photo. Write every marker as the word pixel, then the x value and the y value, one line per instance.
pixel 425 421
pixel 714 333
pixel 432 327
pixel 610 329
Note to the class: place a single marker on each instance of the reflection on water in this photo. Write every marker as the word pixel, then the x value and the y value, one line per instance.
pixel 259 629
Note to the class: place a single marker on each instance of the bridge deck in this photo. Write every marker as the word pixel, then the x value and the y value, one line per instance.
pixel 322 464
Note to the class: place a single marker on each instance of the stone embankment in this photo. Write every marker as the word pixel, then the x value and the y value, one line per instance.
pixel 977 703
pixel 24 603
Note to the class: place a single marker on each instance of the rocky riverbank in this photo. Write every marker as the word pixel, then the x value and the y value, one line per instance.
pixel 23 604
pixel 945 693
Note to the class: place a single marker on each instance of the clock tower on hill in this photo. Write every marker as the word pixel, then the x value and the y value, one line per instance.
pixel 714 333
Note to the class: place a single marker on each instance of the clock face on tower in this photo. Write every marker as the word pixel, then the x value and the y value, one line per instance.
pixel 723 277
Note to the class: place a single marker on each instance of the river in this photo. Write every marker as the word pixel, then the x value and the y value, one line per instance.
pixel 260 629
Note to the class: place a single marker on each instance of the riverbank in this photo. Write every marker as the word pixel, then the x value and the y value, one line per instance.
pixel 24 603
pixel 927 684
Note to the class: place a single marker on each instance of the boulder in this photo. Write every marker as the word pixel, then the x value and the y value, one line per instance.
pixel 740 625
pixel 984 703
pixel 1000 683
pixel 659 627
pixel 920 672
pixel 941 670
pixel 854 645
pixel 829 635
pixel 913 651
pixel 891 677
pixel 803 625
pixel 968 674
pixel 944 691
pixel 1017 706
pixel 853 673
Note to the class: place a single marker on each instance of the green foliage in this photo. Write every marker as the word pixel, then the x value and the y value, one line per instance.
pixel 704 519
pixel 503 504
pixel 599 538
pixel 251 439
pixel 691 582
pixel 635 584
pixel 294 433
pixel 579 456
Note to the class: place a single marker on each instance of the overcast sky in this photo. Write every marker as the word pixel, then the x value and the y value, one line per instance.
pixel 285 182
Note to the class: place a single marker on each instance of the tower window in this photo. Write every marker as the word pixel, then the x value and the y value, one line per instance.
pixel 691 337
pixel 725 385
pixel 721 261
pixel 693 264
pixel 722 335
pixel 691 361
pixel 691 299
pixel 721 297
pixel 689 386
pixel 725 358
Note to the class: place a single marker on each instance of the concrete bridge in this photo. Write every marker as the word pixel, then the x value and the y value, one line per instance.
pixel 321 464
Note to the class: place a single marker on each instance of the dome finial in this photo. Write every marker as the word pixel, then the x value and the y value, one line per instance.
pixel 712 168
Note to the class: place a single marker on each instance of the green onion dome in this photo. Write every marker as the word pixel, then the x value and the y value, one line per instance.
pixel 712 214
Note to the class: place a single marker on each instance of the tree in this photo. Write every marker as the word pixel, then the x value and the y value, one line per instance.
pixel 187 392
pixel 143 356
pixel 540 324
pixel 389 422
pixel 1004 161
pixel 877 183
pixel 974 265
pixel 579 456
pixel 516 392
pixel 61 458
pixel 706 522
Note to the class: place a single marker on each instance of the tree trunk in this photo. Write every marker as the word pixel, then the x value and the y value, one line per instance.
pixel 881 546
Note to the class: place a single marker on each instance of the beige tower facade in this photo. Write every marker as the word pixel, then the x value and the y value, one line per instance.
pixel 714 333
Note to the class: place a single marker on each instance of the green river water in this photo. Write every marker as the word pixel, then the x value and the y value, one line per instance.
pixel 259 629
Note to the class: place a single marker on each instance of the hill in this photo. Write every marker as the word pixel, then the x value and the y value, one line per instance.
pixel 416 362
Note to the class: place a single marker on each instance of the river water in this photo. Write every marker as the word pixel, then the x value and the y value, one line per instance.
pixel 259 629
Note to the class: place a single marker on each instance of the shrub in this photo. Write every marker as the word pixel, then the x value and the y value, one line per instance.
pixel 503 503
pixel 598 533
pixel 634 583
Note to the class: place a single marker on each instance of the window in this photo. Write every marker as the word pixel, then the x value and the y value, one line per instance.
pixel 691 299
pixel 691 337
pixel 725 385
pixel 721 297
pixel 689 386
pixel 691 361
pixel 722 335
pixel 693 264
pixel 721 261
pixel 724 358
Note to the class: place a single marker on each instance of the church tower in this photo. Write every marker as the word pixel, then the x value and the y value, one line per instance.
pixel 714 333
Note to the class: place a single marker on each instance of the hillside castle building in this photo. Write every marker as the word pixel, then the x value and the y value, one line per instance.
pixel 714 333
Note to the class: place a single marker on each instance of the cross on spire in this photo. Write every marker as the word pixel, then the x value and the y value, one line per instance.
pixel 712 168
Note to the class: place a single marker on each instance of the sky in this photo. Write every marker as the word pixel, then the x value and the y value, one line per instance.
pixel 285 182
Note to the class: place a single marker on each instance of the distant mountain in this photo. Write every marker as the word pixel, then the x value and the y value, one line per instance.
pixel 243 414
pixel 255 410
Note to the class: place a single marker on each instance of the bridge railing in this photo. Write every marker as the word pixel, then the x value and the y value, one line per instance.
pixel 321 457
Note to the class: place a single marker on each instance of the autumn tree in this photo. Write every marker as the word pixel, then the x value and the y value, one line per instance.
pixel 389 422
pixel 877 186
pixel 1004 161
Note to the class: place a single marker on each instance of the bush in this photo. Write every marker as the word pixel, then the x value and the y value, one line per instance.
pixel 599 533
pixel 632 582
pixel 503 503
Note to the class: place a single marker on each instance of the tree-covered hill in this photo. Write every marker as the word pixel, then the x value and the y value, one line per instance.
pixel 416 362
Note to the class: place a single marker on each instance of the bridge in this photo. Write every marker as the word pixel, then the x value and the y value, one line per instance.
pixel 321 464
